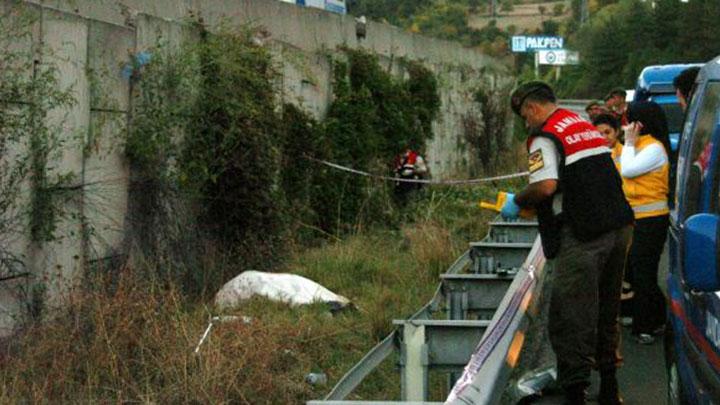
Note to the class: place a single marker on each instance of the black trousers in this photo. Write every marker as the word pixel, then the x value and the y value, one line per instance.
pixel 648 241
pixel 583 321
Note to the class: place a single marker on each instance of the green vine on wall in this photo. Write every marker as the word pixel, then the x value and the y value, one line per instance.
pixel 206 128
pixel 374 117
pixel 31 141
pixel 32 189
pixel 487 131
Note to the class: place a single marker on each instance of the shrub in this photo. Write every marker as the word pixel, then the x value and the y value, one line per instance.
pixel 213 156
pixel 373 118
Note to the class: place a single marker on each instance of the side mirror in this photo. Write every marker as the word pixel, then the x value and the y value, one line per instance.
pixel 700 252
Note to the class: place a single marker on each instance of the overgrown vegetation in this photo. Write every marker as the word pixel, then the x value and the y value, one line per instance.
pixel 220 184
pixel 212 153
pixel 373 118
pixel 31 141
pixel 486 129
pixel 129 338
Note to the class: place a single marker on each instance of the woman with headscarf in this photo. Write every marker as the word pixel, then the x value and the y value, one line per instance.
pixel 645 169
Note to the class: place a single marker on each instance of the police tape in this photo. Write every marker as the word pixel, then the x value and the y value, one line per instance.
pixel 420 181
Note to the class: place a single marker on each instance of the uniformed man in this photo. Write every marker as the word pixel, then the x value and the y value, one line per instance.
pixel 585 227
pixel 616 104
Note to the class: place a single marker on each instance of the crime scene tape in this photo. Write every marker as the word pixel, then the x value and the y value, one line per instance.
pixel 421 181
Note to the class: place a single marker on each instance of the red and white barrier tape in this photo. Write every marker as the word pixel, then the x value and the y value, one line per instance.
pixel 421 181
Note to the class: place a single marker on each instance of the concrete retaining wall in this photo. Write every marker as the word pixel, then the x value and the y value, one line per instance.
pixel 92 39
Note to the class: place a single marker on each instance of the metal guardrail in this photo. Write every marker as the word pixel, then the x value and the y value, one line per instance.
pixel 502 272
pixel 385 348
pixel 486 375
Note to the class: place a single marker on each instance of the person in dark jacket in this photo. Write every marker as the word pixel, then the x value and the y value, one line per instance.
pixel 684 84
pixel 585 228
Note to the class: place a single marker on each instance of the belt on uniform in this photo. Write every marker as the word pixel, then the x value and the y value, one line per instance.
pixel 656 206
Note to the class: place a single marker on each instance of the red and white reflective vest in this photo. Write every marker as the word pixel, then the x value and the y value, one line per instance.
pixel 592 197
pixel 578 137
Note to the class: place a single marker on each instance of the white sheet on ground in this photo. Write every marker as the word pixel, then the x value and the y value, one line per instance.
pixel 283 287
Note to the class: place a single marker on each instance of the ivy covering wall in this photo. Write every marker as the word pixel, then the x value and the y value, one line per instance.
pixel 213 151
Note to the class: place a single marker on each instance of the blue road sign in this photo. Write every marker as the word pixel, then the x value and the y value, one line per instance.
pixel 521 43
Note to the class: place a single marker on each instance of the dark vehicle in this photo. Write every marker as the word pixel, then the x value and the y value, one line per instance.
pixel 692 345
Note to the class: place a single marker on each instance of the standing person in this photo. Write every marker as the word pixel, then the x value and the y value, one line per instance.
pixel 585 228
pixel 609 126
pixel 645 168
pixel 595 108
pixel 684 84
pixel 409 165
pixel 616 104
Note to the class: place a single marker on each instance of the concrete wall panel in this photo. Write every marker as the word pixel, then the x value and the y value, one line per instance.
pixel 109 50
pixel 19 37
pixel 65 41
pixel 106 185
pixel 306 79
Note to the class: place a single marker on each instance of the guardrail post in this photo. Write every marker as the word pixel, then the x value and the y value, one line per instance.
pixel 457 302
pixel 414 359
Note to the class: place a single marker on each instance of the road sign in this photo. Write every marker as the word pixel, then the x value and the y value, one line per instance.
pixel 522 43
pixel 336 6
pixel 558 57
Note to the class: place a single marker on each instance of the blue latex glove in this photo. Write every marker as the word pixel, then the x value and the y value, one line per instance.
pixel 510 210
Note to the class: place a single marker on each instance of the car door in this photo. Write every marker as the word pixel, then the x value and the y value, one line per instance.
pixel 695 313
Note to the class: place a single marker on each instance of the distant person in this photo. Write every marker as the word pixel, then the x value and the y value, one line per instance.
pixel 409 165
pixel 585 227
pixel 595 108
pixel 616 104
pixel 684 85
pixel 645 169
pixel 609 127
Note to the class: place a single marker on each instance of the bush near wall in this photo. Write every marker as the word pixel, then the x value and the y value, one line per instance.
pixel 374 117
pixel 200 116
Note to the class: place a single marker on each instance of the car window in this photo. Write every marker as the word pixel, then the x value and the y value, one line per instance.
pixel 674 115
pixel 698 158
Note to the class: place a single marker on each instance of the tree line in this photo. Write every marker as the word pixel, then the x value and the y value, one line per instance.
pixel 619 39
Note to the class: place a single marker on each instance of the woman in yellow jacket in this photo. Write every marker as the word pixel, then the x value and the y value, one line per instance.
pixel 645 169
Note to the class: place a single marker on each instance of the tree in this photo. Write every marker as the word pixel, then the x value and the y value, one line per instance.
pixel 550 27
pixel 507 6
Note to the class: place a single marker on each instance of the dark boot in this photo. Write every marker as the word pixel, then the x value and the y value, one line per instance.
pixel 575 394
pixel 609 391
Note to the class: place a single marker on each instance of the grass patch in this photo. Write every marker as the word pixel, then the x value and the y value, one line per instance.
pixel 129 339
